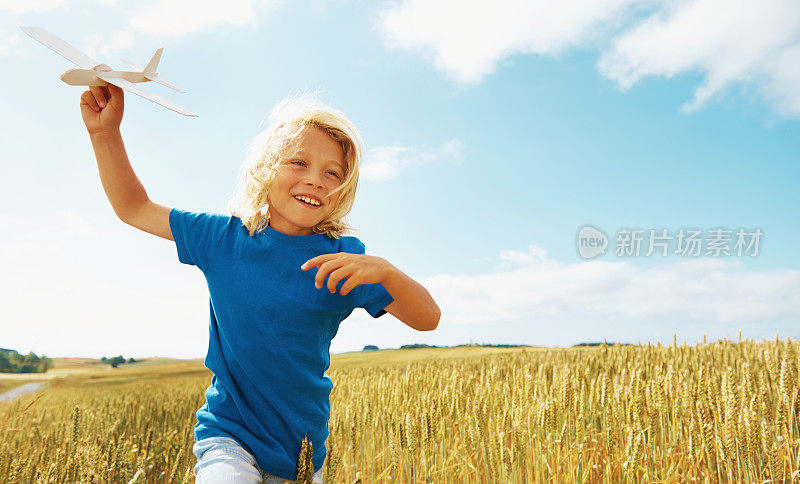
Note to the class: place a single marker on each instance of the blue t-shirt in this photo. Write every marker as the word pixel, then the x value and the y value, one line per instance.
pixel 270 334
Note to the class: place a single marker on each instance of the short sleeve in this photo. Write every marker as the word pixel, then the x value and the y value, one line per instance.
pixel 197 235
pixel 372 297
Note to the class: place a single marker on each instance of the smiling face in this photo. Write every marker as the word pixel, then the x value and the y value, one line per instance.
pixel 315 170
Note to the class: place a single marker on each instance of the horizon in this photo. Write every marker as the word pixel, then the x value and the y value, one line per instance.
pixel 740 340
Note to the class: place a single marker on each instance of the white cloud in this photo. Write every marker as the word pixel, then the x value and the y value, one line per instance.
pixel 468 38
pixel 159 18
pixel 96 45
pixel 11 44
pixel 74 224
pixel 83 287
pixel 529 285
pixel 122 40
pixel 74 289
pixel 738 42
pixel 178 18
pixel 782 78
pixel 385 162
pixel 175 19
pixel 17 7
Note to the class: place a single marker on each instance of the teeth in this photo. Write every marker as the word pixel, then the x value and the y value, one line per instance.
pixel 307 200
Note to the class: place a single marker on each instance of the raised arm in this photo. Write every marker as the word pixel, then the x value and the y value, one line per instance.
pixel 102 108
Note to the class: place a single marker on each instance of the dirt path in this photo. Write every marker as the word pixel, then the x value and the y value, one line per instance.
pixel 21 390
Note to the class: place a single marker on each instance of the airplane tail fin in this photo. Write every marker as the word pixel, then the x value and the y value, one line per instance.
pixel 153 64
pixel 150 70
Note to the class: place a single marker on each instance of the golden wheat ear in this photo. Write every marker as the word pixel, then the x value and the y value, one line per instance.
pixel 305 465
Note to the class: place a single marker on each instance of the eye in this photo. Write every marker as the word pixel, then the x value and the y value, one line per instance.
pixel 294 162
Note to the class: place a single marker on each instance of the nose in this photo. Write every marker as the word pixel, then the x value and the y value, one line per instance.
pixel 315 180
pixel 314 183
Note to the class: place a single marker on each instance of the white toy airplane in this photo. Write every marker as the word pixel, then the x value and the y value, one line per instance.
pixel 93 73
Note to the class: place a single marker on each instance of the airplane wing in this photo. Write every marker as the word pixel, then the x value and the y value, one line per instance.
pixel 132 65
pixel 61 47
pixel 129 86
pixel 163 83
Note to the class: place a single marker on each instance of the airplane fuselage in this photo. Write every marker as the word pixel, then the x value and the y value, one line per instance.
pixel 88 77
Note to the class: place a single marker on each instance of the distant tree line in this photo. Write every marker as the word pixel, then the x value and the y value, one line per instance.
pixel 117 360
pixel 13 362
pixel 609 343
pixel 487 345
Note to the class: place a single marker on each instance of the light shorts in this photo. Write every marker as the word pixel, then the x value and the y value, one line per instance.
pixel 222 460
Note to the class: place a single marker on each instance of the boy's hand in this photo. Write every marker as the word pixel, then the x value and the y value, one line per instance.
pixel 102 108
pixel 357 268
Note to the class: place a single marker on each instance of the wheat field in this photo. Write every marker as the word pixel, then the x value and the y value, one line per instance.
pixel 711 412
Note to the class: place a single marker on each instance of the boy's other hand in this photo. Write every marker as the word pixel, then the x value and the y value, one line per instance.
pixel 102 108
pixel 357 268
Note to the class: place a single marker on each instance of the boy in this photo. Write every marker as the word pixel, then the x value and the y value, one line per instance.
pixel 272 319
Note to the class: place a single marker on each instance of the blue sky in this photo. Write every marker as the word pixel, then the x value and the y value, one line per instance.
pixel 492 137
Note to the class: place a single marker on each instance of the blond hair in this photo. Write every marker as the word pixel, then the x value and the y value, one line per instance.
pixel 275 145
